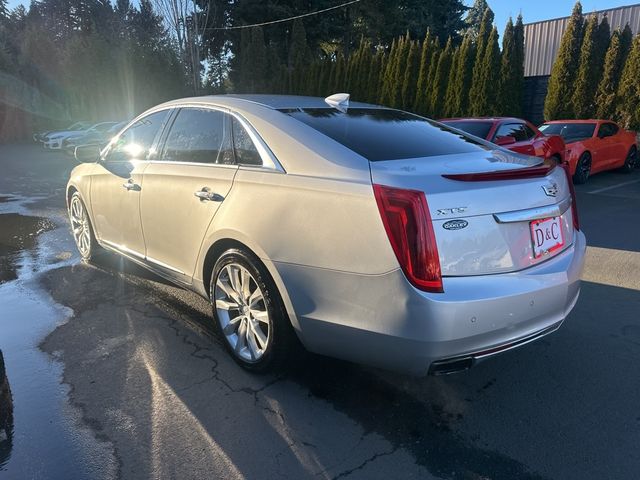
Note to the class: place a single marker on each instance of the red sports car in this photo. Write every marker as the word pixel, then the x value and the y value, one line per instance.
pixel 512 133
pixel 594 146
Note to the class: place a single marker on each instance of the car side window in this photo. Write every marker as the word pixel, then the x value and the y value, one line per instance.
pixel 613 129
pixel 246 151
pixel 529 131
pixel 514 130
pixel 136 141
pixel 607 130
pixel 199 135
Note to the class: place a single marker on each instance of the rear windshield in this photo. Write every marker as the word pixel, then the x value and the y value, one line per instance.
pixel 570 132
pixel 384 134
pixel 479 129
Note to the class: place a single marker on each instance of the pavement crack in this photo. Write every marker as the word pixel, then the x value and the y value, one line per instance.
pixel 373 458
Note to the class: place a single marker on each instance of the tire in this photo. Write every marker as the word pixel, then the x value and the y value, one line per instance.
pixel 631 162
pixel 583 169
pixel 81 229
pixel 248 312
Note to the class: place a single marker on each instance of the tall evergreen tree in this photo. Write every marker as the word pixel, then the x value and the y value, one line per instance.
pixel 387 74
pixel 362 71
pixel 395 97
pixel 606 94
pixel 590 69
pixel 423 73
pixel 427 107
pixel 557 103
pixel 462 85
pixel 625 40
pixel 485 101
pixel 258 59
pixel 451 94
pixel 410 76
pixel 481 43
pixel 510 90
pixel 629 89
pixel 373 82
pixel 473 19
pixel 439 87
pixel 518 34
pixel 299 55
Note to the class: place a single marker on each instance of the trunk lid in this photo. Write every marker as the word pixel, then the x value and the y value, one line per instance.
pixel 483 226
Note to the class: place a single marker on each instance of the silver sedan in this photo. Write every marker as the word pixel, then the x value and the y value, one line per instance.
pixel 366 233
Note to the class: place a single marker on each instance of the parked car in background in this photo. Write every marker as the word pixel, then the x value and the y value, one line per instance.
pixel 74 127
pixel 594 146
pixel 373 234
pixel 513 133
pixel 99 134
pixel 56 140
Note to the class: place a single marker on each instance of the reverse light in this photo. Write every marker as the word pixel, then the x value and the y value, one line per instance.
pixel 574 203
pixel 406 219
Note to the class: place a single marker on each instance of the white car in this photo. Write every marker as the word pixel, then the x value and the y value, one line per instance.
pixel 371 234
pixel 56 140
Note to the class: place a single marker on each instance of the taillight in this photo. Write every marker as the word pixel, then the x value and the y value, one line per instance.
pixel 406 219
pixel 574 203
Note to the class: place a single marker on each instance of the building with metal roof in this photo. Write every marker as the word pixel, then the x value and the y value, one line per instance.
pixel 542 41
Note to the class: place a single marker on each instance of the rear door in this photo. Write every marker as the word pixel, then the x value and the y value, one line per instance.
pixel 117 185
pixel 184 188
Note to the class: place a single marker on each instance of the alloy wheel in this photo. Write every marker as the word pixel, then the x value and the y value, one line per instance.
pixel 585 166
pixel 80 226
pixel 633 158
pixel 242 312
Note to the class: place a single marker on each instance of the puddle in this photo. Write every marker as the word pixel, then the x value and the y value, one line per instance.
pixel 41 434
pixel 17 234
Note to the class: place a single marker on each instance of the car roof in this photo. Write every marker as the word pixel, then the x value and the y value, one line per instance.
pixel 579 121
pixel 275 102
pixel 481 119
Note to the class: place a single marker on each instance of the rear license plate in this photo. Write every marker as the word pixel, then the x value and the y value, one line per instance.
pixel 546 235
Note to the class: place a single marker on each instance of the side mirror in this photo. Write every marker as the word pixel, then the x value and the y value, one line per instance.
pixel 87 153
pixel 502 141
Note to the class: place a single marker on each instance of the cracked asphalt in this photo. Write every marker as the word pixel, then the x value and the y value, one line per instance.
pixel 147 391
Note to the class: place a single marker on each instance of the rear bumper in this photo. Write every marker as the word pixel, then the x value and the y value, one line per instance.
pixel 382 320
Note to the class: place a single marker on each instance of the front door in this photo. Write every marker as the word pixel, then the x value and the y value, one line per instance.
pixel 185 187
pixel 606 146
pixel 118 182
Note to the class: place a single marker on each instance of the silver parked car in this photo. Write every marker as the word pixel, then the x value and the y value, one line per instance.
pixel 371 234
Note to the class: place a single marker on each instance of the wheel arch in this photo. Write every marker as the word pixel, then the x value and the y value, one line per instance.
pixel 223 243
pixel 72 188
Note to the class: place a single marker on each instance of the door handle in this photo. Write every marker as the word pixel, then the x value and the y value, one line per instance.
pixel 130 185
pixel 208 195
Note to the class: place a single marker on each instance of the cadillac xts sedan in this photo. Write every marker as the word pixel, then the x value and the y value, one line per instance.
pixel 370 234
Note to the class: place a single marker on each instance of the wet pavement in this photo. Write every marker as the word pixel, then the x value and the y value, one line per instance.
pixel 116 374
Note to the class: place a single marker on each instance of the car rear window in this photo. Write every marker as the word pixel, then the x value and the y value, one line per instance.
pixel 569 131
pixel 384 134
pixel 479 129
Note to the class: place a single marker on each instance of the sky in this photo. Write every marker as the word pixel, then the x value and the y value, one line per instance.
pixel 532 11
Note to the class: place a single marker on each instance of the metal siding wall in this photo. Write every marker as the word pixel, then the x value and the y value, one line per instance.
pixel 542 39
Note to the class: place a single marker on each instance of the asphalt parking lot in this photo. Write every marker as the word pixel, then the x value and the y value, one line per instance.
pixel 115 374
